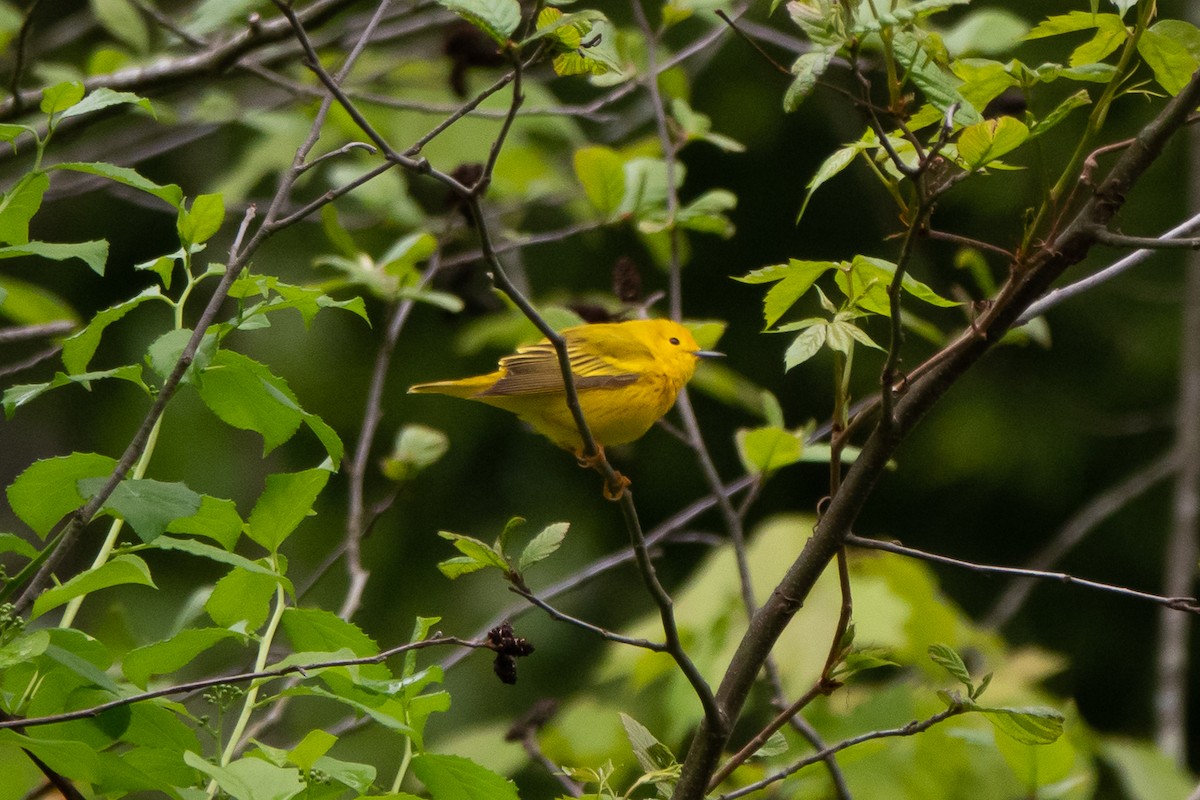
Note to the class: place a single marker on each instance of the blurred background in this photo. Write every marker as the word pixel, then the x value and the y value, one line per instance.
pixel 1029 438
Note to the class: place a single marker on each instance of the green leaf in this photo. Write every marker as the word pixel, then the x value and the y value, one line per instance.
pixel 652 755
pixel 1061 111
pixel 71 759
pixel 61 96
pixel 543 545
pixel 313 746
pixel 940 87
pixel 808 69
pixel 17 396
pixel 792 280
pixel 706 214
pixel 123 20
pixel 806 345
pixel 457 778
pixel 314 630
pixel 149 506
pixel 478 553
pixel 19 205
pixel 416 448
pixel 24 648
pixel 195 548
pixel 28 304
pixel 170 193
pixel 1110 35
pixel 216 519
pixel 79 349
pixel 1172 63
pixel 283 505
pixel 1070 23
pixel 171 654
pixel 247 395
pixel 104 98
pixel 165 351
pixel 94 253
pixel 198 223
pixel 767 449
pixel 497 18
pixel 251 778
pixel 986 141
pixel 1144 771
pixel 122 569
pixel 11 543
pixel 831 166
pixel 601 172
pixel 241 596
pixel 1032 725
pixel 47 490
pixel 948 659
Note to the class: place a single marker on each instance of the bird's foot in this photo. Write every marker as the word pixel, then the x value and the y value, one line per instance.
pixel 615 489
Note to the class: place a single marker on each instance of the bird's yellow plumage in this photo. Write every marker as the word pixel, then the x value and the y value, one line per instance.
pixel 627 375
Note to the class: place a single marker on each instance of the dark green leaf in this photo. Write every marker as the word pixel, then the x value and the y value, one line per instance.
pixel 17 396
pixel 79 349
pixel 457 778
pixel 149 506
pixel 497 18
pixel 241 596
pixel 215 519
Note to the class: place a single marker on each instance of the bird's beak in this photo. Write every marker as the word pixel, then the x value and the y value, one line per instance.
pixel 708 354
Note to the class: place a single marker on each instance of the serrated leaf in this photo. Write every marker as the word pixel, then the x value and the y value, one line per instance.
pixel 543 545
pixel 807 69
pixel 165 351
pixel 11 543
pixel 497 18
pixel 948 659
pixel 805 346
pixel 831 166
pixel 458 778
pixel 122 569
pixel 652 755
pixel 93 253
pixel 104 98
pixel 216 519
pixel 171 654
pixel 287 499
pixel 474 549
pixel 792 280
pixel 246 394
pixel 1060 112
pixel 46 491
pixel 939 87
pixel 204 550
pixel 147 505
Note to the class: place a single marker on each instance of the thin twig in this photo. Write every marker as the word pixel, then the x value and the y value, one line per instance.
pixel 1188 604
pixel 604 633
pixel 20 333
pixel 911 729
pixel 241 677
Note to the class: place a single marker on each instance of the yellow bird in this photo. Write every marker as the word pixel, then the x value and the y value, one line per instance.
pixel 627 375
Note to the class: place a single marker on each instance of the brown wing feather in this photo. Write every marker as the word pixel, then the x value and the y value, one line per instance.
pixel 535 370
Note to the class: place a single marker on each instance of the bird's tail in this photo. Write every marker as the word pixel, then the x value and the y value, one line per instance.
pixel 466 387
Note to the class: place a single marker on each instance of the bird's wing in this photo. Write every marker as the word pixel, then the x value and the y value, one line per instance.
pixel 535 370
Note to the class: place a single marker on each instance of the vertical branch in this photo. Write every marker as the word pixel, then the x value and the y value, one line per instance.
pixel 1171 667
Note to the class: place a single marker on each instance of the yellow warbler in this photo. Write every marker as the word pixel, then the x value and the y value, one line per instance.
pixel 627 375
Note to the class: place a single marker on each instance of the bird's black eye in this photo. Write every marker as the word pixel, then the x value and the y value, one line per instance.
pixel 673 340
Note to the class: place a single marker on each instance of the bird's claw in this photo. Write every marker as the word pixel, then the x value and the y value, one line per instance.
pixel 615 489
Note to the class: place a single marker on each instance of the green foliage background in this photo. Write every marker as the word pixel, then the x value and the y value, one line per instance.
pixel 1027 439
